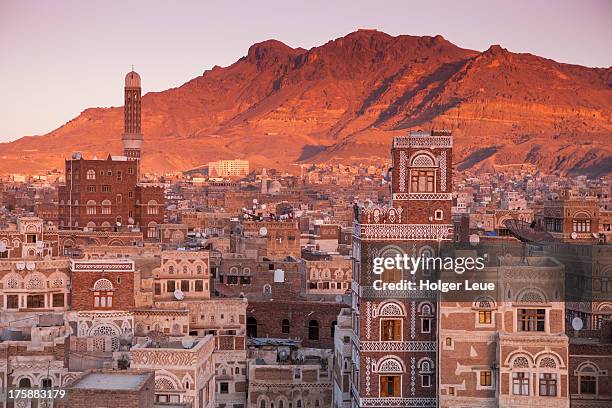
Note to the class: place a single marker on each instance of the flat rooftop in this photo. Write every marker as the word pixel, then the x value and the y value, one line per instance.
pixel 112 381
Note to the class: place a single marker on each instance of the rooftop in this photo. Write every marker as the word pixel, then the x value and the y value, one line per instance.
pixel 112 381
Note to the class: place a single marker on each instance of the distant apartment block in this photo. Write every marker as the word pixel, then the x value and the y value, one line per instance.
pixel 228 168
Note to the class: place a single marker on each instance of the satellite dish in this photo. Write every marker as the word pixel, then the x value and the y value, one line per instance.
pixel 573 235
pixel 179 295
pixel 577 323
pixel 20 266
pixel 263 231
pixel 254 201
pixel 474 239
pixel 479 224
pixel 2 246
pixel 131 221
pixel 30 266
pixel 187 342
pixel 118 224
pixel 263 206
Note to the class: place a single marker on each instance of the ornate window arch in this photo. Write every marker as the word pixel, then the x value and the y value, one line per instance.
pixel 426 365
pixel 104 329
pixel 12 281
pixel 390 308
pixel 484 302
pixel 36 281
pixel 390 364
pixel 426 309
pixel 531 295
pixel 520 361
pixel 91 174
pixel 164 383
pixel 422 159
pixel 103 294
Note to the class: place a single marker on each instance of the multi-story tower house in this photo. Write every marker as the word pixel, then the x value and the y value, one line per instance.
pixel 107 195
pixel 394 331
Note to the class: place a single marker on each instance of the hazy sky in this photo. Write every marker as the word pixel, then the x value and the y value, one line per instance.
pixel 59 57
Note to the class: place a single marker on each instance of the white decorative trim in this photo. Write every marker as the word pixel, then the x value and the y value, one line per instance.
pixel 412 376
pixel 368 388
pixel 422 196
pixel 402 171
pixel 442 160
pixel 396 346
pixel 397 402
pixel 427 142
pixel 406 232
pixel 368 320
pixel 412 319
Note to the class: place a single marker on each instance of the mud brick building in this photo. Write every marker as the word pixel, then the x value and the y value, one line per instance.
pixel 32 238
pixel 394 332
pixel 590 368
pixel 103 284
pixel 110 389
pixel 106 194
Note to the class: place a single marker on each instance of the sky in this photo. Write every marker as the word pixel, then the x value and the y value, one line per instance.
pixel 60 57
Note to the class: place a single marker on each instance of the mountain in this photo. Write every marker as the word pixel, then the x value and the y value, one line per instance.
pixel 344 101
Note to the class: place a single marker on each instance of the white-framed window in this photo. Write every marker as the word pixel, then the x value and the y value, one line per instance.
pixel 91 207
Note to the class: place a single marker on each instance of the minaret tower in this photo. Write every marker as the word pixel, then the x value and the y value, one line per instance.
pixel 132 134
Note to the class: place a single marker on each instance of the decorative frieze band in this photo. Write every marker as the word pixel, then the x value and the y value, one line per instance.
pixel 398 346
pixel 397 402
pixel 406 232
pixel 426 142
pixel 422 196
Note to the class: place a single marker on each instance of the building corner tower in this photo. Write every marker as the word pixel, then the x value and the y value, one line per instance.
pixel 132 135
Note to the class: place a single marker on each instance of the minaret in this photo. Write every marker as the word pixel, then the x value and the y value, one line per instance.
pixel 264 181
pixel 132 135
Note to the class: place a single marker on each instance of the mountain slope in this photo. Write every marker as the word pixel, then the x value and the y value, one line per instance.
pixel 344 101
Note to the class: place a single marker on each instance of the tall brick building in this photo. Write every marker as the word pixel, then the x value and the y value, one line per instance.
pixel 394 331
pixel 107 194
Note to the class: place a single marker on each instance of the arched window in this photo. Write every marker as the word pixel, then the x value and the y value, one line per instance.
pixel 91 225
pixel 581 222
pixel 390 378
pixel 103 294
pixel 152 207
pixel 285 326
pixel 91 207
pixel 313 330
pixel 588 378
pixel 106 207
pixel 91 174
pixel 25 383
pixel 251 324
